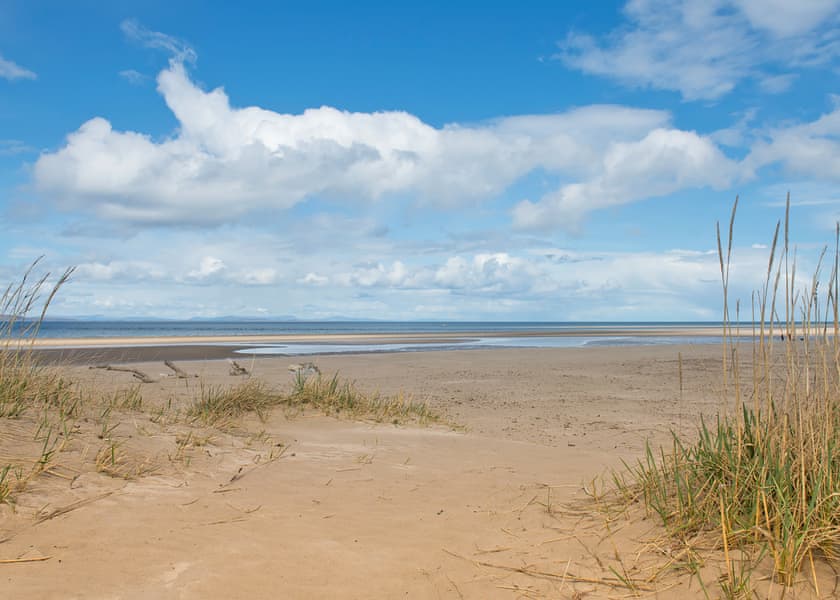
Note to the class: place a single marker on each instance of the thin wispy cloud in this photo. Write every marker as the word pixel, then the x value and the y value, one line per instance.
pixel 14 147
pixel 704 49
pixel 12 71
pixel 134 77
pixel 180 50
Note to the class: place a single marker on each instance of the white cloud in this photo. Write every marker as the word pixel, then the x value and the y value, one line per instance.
pixel 314 279
pixel 776 84
pixel 224 162
pixel 493 272
pixel 810 149
pixel 264 276
pixel 663 162
pixel 786 18
pixel 166 269
pixel 11 71
pixel 180 50
pixel 14 147
pixel 703 49
pixel 739 134
pixel 133 77
pixel 208 267
pixel 375 275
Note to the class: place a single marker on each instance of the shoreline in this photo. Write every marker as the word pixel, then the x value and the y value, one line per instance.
pixel 90 350
pixel 363 338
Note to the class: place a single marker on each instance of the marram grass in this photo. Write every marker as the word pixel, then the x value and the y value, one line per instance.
pixel 764 477
pixel 26 390
pixel 332 396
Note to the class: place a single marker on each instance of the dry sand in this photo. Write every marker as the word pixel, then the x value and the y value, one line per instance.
pixel 361 510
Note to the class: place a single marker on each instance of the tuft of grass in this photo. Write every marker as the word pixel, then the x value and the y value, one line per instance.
pixel 218 405
pixel 336 397
pixel 126 399
pixel 5 484
pixel 113 460
pixel 332 396
pixel 764 478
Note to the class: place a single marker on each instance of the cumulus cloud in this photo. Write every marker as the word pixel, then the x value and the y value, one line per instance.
pixel 703 49
pixel 11 71
pixel 224 162
pixel 313 279
pixel 544 272
pixel 209 266
pixel 209 271
pixel 120 270
pixel 664 161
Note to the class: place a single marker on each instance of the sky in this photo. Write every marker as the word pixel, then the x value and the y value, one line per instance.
pixel 478 160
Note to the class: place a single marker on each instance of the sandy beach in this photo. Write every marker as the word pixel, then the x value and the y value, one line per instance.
pixel 489 504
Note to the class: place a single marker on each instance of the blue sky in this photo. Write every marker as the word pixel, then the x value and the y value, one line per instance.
pixel 471 160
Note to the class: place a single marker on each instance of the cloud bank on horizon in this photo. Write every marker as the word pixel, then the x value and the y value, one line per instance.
pixel 384 214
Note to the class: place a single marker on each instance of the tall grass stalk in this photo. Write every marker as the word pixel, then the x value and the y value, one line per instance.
pixel 764 477
pixel 26 389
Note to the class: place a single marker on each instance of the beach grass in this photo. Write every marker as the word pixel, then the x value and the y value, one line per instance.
pixel 329 395
pixel 48 401
pixel 42 410
pixel 217 405
pixel 762 481
pixel 334 396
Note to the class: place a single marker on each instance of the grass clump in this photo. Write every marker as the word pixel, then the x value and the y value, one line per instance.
pixel 24 386
pixel 218 405
pixel 762 481
pixel 333 396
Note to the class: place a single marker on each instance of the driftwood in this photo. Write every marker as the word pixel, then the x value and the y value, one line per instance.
pixel 237 369
pixel 136 372
pixel 178 370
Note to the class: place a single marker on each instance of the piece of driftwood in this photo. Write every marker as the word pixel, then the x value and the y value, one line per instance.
pixel 136 372
pixel 178 370
pixel 237 369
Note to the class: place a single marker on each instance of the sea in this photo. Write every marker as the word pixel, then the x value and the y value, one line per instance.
pixel 468 334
